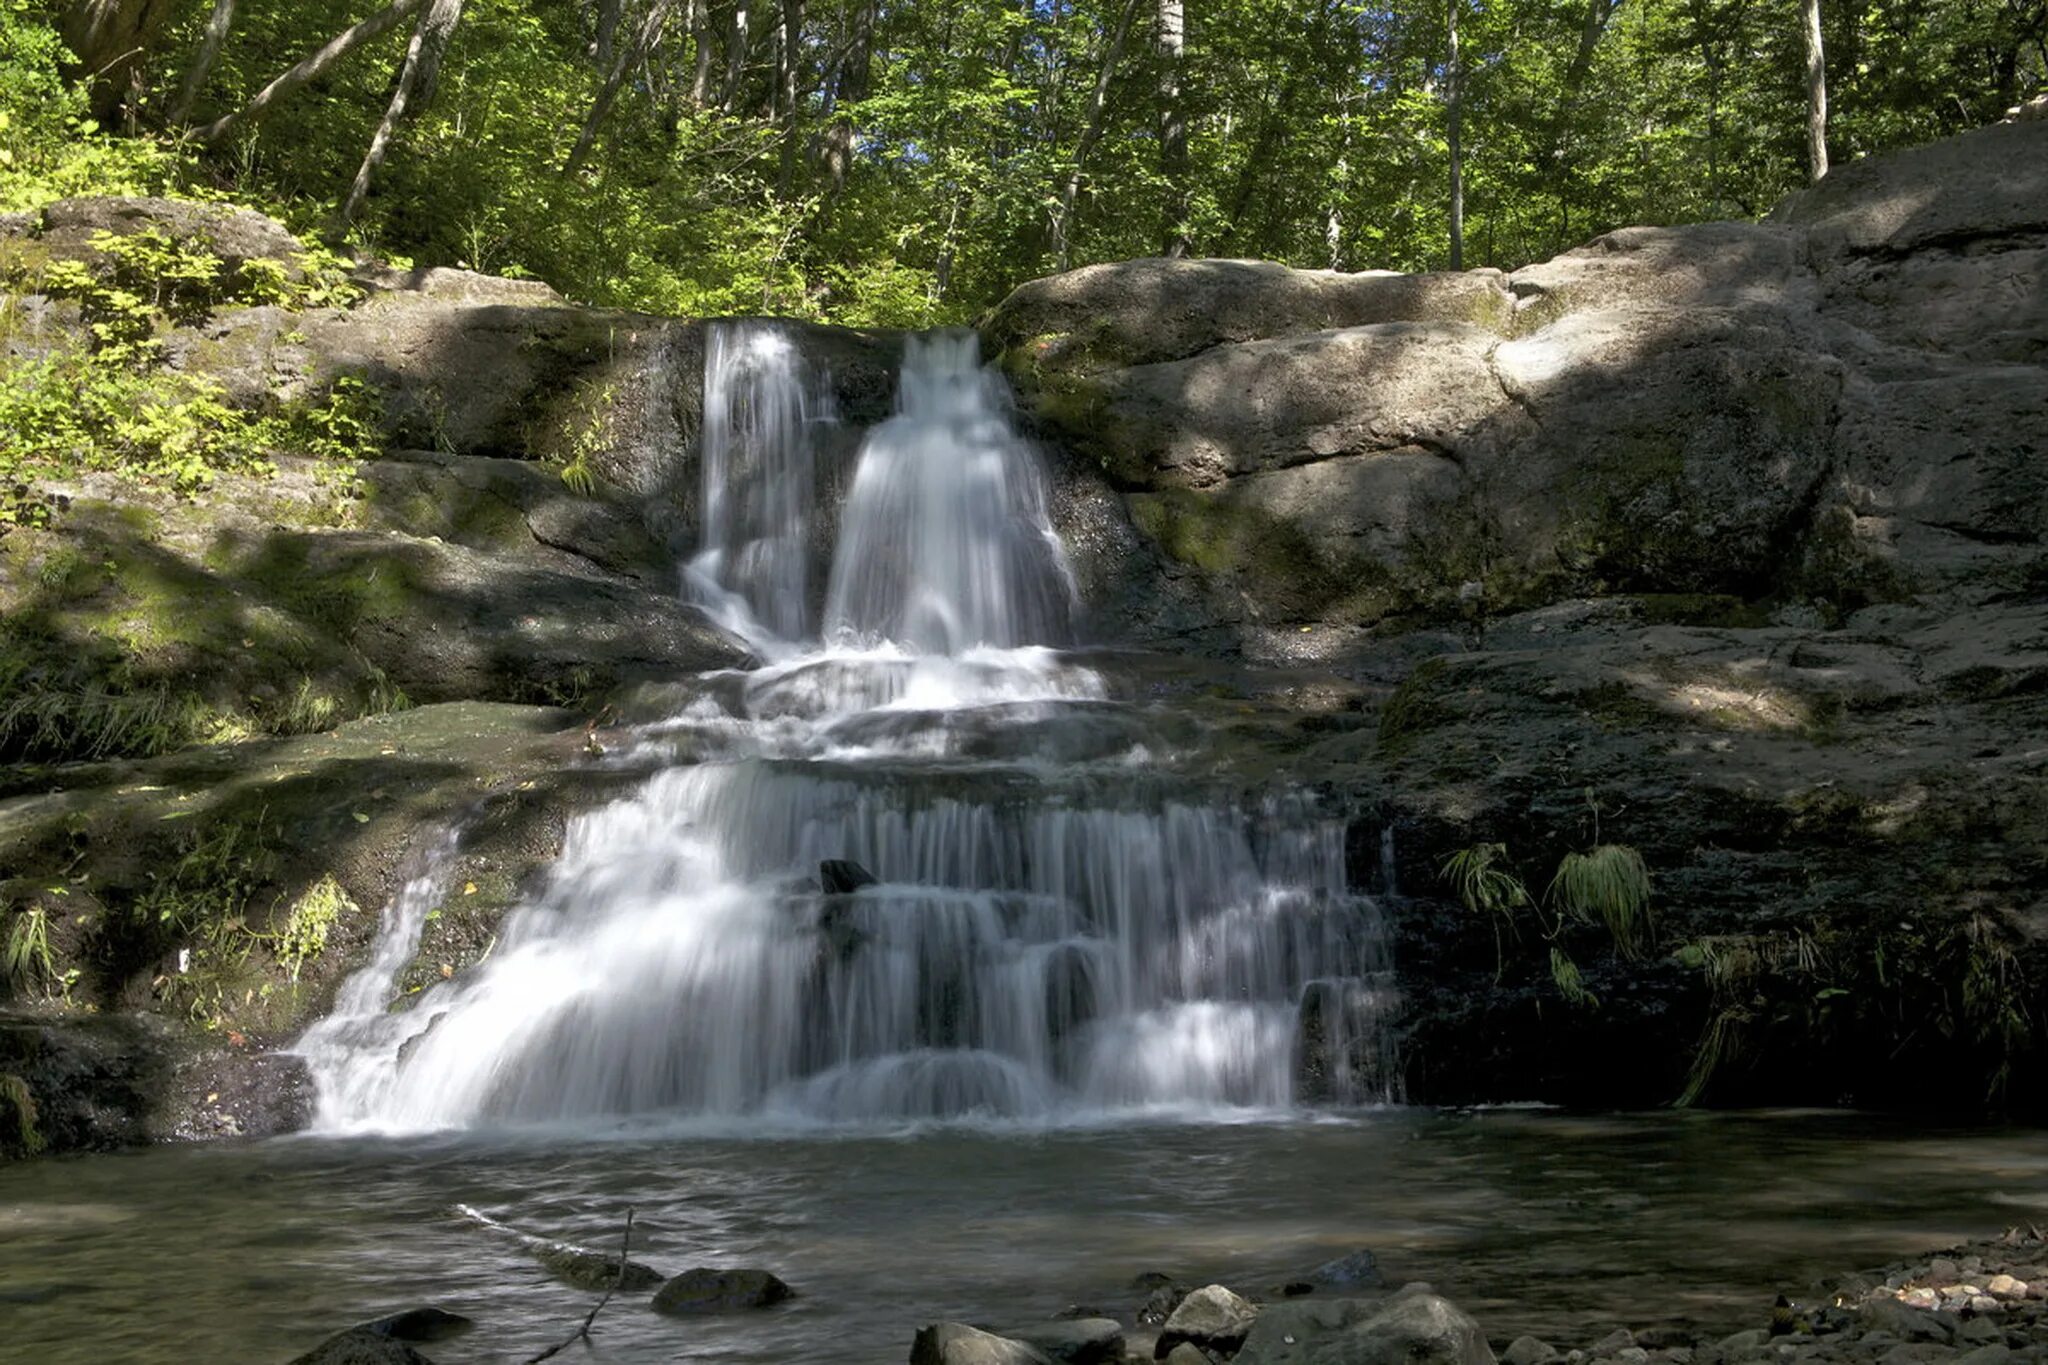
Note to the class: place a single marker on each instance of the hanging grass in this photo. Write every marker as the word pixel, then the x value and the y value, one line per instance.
pixel 1479 878
pixel 1608 886
pixel 1564 973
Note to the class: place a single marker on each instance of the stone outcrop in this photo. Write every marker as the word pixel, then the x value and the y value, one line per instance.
pixel 1836 405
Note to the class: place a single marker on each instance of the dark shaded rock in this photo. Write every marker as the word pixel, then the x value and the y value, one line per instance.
pixel 1160 1303
pixel 843 876
pixel 705 1290
pixel 1357 1270
pixel 1528 1350
pixel 421 1324
pixel 361 1346
pixel 1212 1317
pixel 1076 1341
pixel 1907 1323
pixel 1414 1327
pixel 1146 1281
pixel 955 1343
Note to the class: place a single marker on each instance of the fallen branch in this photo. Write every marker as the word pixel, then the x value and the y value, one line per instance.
pixel 583 1332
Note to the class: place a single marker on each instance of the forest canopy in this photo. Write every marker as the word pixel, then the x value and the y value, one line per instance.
pixel 908 161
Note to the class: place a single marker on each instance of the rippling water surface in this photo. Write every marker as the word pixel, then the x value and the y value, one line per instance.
pixel 1534 1221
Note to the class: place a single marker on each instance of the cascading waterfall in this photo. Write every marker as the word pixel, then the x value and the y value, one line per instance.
pixel 759 497
pixel 1060 924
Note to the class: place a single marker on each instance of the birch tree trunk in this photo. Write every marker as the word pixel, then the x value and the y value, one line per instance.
pixel 1173 127
pixel 217 25
pixel 1455 97
pixel 416 80
pixel 1816 90
pixel 314 65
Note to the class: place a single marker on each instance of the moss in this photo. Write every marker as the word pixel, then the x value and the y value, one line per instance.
pixel 1721 610
pixel 462 931
pixel 1414 709
pixel 1618 707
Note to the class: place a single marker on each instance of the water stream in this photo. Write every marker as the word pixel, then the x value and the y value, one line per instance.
pixel 918 866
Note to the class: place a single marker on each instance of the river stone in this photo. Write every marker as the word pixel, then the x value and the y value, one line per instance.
pixel 1212 1316
pixel 421 1324
pixel 1187 1353
pixel 842 876
pixel 1358 1270
pixel 1907 1323
pixel 594 1270
pixel 1528 1350
pixel 1415 1327
pixel 361 1346
pixel 1076 1341
pixel 705 1290
pixel 955 1343
pixel 1160 1303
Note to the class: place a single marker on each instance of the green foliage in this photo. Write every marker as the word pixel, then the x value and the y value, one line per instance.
pixel 1609 886
pixel 1484 885
pixel 49 148
pixel 77 714
pixel 313 917
pixel 1564 973
pixel 26 959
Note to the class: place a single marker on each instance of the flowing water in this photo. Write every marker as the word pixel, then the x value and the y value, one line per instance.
pixel 1533 1221
pixel 919 866
pixel 1100 1010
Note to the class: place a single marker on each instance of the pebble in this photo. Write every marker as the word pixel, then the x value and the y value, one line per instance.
pixel 1920 1298
pixel 1984 1303
pixel 1943 1269
pixel 2006 1287
pixel 1620 1339
pixel 1527 1350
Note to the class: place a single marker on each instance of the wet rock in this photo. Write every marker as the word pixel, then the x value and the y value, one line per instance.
pixel 1415 1327
pixel 705 1290
pixel 2005 1287
pixel 360 1346
pixel 1160 1303
pixel 1620 1339
pixel 843 876
pixel 1145 1281
pixel 1528 1350
pixel 1076 1341
pixel 421 1324
pixel 586 1268
pixel 1663 1338
pixel 1212 1317
pixel 1358 1270
pixel 1187 1353
pixel 955 1343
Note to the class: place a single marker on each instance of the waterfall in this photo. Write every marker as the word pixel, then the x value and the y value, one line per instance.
pixel 930 870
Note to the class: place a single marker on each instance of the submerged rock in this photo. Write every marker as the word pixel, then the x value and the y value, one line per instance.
pixel 1212 1317
pixel 1358 1270
pixel 361 1346
pixel 421 1324
pixel 593 1270
pixel 705 1290
pixel 955 1343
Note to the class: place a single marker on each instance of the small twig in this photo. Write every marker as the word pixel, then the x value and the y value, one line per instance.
pixel 582 1333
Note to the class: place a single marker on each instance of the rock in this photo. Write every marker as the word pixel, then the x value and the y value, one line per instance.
pixel 1664 1338
pixel 1160 1304
pixel 1140 1344
pixel 360 1346
pixel 1632 1355
pixel 1146 1281
pixel 704 1290
pixel 1355 1270
pixel 1187 1353
pixel 1921 1298
pixel 421 1324
pixel 586 1268
pixel 1211 1317
pixel 1620 1339
pixel 1414 1327
pixel 1528 1350
pixel 64 230
pixel 2005 1287
pixel 1907 1323
pixel 1076 1341
pixel 842 876
pixel 955 1343
pixel 1943 1269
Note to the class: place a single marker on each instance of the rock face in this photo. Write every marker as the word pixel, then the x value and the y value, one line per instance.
pixel 1836 404
pixel 1725 542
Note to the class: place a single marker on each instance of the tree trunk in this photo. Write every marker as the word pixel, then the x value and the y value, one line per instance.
pixel 1816 91
pixel 1173 127
pixel 700 42
pixel 736 54
pixel 643 42
pixel 607 33
pixel 217 25
pixel 1091 133
pixel 850 87
pixel 112 39
pixel 1454 95
pixel 312 68
pixel 415 87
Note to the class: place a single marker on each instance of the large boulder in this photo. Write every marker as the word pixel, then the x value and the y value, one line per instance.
pixel 1833 404
pixel 1415 1327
